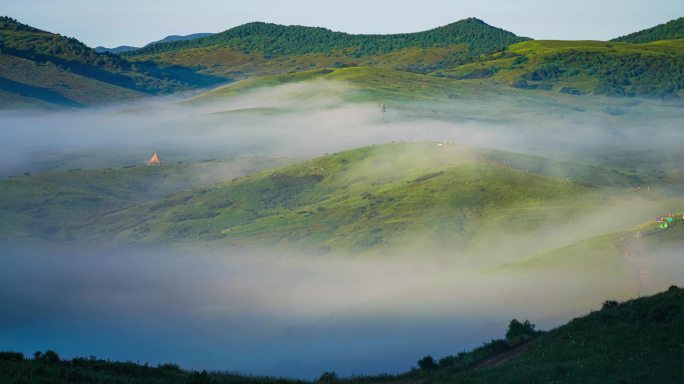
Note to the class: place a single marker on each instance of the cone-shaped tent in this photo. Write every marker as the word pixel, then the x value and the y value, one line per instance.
pixel 154 160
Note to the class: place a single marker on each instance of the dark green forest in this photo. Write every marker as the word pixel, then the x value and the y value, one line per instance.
pixel 278 40
pixel 617 75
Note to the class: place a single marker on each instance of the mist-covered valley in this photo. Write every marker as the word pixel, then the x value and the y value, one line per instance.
pixel 301 228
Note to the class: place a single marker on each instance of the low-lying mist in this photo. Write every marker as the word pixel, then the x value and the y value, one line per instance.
pixel 279 314
pixel 305 120
pixel 283 312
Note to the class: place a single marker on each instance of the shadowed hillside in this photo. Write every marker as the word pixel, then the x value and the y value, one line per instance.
pixel 47 69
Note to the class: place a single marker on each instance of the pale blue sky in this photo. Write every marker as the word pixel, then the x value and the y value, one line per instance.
pixel 137 22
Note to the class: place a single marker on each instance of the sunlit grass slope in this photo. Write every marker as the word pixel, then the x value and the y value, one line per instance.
pixel 369 84
pixel 376 197
pixel 372 197
pixel 583 67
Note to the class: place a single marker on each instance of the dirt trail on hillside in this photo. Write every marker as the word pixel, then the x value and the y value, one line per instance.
pixel 503 357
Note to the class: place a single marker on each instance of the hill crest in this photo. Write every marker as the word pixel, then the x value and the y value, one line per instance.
pixel 276 39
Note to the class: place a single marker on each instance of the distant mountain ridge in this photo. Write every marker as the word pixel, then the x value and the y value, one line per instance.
pixel 167 39
pixel 172 38
pixel 116 50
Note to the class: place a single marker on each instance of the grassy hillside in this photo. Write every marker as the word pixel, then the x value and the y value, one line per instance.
pixel 369 84
pixel 369 198
pixel 638 341
pixel 669 31
pixel 49 69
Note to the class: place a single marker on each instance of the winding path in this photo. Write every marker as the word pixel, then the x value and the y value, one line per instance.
pixel 502 357
pixel 641 270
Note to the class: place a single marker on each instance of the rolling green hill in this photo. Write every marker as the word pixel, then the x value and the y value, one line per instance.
pixel 369 84
pixel 362 200
pixel 671 30
pixel 638 341
pixel 367 199
pixel 46 69
pixel 356 200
